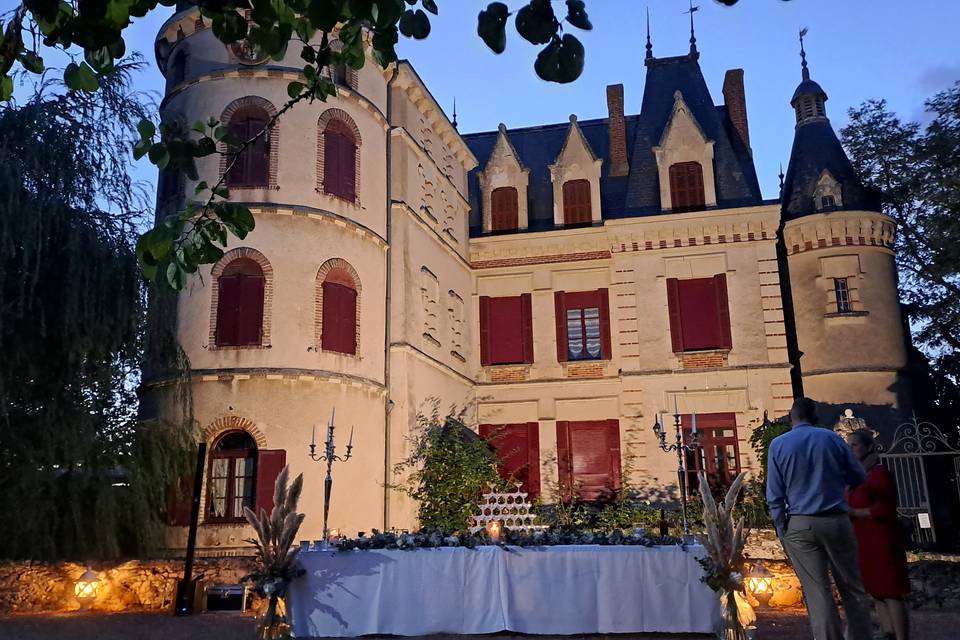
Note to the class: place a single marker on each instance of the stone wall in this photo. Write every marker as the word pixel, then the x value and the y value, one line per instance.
pixel 135 584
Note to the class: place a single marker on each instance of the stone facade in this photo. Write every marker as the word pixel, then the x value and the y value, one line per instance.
pixel 416 242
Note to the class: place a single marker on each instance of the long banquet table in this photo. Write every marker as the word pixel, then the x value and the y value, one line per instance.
pixel 537 590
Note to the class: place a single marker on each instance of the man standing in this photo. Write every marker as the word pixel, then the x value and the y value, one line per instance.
pixel 808 469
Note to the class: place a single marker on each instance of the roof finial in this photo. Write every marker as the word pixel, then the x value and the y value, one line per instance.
pixel 693 37
pixel 454 123
pixel 649 44
pixel 781 178
pixel 803 56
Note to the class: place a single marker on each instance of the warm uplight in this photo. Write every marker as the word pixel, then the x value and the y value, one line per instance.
pixel 494 530
pixel 85 589
pixel 760 583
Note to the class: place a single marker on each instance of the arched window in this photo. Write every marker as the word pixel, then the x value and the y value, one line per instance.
pixel 576 202
pixel 504 209
pixel 252 165
pixel 240 304
pixel 339 298
pixel 686 187
pixel 339 160
pixel 231 485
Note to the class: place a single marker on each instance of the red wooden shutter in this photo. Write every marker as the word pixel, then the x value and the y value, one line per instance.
pixel 504 209
pixel 332 169
pixel 485 321
pixel 179 502
pixel 237 175
pixel 614 441
pixel 686 186
pixel 576 202
pixel 676 323
pixel 723 311
pixel 559 304
pixel 339 331
pixel 533 459
pixel 526 315
pixel 258 155
pixel 269 466
pixel 228 310
pixel 250 310
pixel 564 462
pixel 348 168
pixel 606 351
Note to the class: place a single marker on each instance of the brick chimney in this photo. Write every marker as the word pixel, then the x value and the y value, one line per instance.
pixel 736 103
pixel 618 131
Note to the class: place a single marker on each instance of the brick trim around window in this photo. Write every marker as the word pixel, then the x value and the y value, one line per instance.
pixel 273 136
pixel 217 271
pixel 341 115
pixel 325 268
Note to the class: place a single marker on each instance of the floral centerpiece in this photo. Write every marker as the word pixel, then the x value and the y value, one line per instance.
pixel 275 555
pixel 723 563
pixel 513 537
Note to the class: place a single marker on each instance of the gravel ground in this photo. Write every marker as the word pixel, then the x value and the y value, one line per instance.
pixel 780 624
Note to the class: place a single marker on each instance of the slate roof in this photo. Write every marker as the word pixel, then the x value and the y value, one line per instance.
pixel 815 148
pixel 638 193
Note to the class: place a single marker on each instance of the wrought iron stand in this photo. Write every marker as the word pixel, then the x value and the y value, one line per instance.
pixel 681 449
pixel 329 456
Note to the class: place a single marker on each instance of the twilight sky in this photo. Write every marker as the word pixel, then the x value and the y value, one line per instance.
pixel 901 50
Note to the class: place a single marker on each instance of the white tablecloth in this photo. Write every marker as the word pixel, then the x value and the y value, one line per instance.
pixel 542 590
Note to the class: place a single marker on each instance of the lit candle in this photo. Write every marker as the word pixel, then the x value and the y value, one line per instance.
pixel 313 435
pixel 694 417
pixel 494 530
pixel 350 442
pixel 676 407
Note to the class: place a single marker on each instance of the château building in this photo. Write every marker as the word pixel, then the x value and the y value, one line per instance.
pixel 566 285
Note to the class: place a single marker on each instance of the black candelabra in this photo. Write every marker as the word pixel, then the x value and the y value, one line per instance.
pixel 329 456
pixel 681 448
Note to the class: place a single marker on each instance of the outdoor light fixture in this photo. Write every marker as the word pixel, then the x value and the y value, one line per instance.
pixel 85 589
pixel 760 583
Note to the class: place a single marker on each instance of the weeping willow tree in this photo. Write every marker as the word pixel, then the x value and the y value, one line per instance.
pixel 82 477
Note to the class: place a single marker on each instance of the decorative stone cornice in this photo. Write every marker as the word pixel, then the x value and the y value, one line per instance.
pixel 840 228
pixel 419 95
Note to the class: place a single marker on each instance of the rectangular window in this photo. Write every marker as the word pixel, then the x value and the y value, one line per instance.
pixel 827 201
pixel 588 459
pixel 583 325
pixel 699 313
pixel 518 449
pixel 842 293
pixel 719 453
pixel 504 209
pixel 577 208
pixel 686 187
pixel 506 330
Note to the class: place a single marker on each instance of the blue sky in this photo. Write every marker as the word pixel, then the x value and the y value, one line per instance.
pixel 901 50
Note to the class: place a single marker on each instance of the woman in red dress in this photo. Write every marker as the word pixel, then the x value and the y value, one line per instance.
pixel 883 557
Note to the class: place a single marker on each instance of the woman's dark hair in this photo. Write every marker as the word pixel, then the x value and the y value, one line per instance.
pixel 865 438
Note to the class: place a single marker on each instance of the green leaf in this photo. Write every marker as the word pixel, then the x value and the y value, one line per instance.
pixel 6 88
pixel 577 15
pixel 32 62
pixel 387 13
pixel 205 147
pixel 199 127
pixel 415 24
pixel 80 77
pixel 325 15
pixel 384 46
pixel 146 129
pixel 222 191
pixel 536 22
pixel 560 61
pixel 159 155
pixel 295 88
pixel 430 6
pixel 176 276
pixel 491 26
pixel 202 186
pixel 141 148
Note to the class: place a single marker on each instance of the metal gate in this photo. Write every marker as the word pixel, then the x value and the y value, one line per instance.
pixel 913 442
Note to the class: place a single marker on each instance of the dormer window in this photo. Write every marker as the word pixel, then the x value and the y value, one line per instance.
pixel 576 202
pixel 827 194
pixel 827 202
pixel 686 187
pixel 505 209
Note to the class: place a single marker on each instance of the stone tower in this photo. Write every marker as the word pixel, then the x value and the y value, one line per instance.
pixel 842 270
pixel 303 316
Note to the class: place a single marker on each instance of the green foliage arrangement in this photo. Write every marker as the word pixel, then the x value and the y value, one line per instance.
pixel 543 538
pixel 83 477
pixel 763 435
pixel 448 469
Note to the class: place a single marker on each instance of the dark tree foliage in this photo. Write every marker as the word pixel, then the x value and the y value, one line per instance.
pixel 916 171
pixel 81 478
